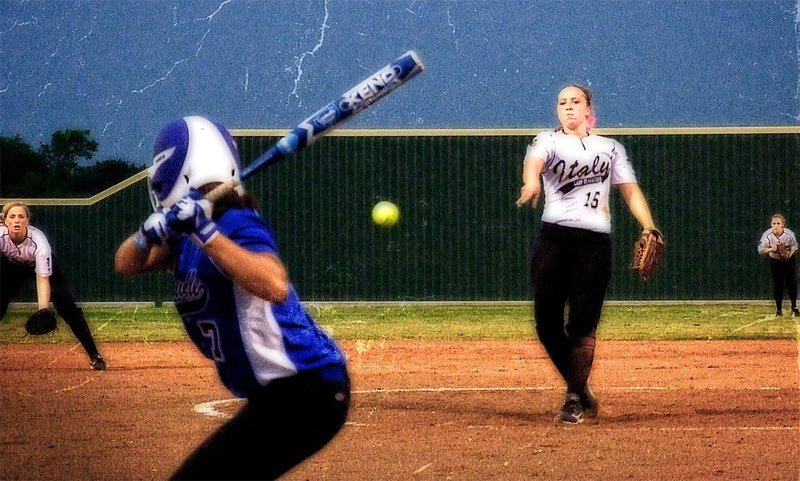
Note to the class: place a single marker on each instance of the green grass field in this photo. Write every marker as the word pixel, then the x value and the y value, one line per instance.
pixel 484 321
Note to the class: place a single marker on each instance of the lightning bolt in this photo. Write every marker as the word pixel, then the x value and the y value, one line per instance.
pixel 166 75
pixel 453 27
pixel 209 18
pixel 299 60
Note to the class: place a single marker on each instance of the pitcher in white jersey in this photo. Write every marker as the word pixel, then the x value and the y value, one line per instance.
pixel 239 308
pixel 570 262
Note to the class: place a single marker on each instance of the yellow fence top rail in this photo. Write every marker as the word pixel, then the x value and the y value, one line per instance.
pixel 85 200
pixel 785 129
pixel 780 129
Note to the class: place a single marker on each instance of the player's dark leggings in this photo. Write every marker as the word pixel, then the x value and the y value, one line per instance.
pixel 569 267
pixel 784 275
pixel 13 275
pixel 281 424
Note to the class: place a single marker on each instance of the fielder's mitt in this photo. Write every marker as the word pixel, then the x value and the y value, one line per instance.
pixel 41 322
pixel 647 253
pixel 783 252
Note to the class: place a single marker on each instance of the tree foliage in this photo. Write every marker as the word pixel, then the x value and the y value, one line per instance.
pixel 55 169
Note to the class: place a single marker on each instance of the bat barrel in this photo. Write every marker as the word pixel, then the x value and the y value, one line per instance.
pixel 349 104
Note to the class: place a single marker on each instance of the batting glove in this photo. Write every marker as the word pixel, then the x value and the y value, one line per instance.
pixel 192 215
pixel 153 231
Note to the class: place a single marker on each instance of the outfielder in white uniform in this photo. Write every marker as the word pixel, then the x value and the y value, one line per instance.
pixel 238 306
pixel 571 258
pixel 26 254
pixel 784 271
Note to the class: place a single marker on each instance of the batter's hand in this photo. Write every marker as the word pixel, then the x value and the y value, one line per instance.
pixel 155 229
pixel 192 215
pixel 529 193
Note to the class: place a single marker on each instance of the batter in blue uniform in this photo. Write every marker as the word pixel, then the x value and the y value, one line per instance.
pixel 238 306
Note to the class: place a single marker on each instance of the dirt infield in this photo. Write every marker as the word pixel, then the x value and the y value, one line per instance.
pixel 422 410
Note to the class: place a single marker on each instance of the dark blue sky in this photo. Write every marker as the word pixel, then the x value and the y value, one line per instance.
pixel 123 68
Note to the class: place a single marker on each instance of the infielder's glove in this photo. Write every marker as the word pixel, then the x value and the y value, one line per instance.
pixel 41 322
pixel 783 252
pixel 647 253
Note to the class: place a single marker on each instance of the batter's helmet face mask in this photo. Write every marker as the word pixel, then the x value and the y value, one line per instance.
pixel 189 153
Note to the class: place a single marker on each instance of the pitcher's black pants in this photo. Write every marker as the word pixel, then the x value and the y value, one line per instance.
pixel 569 267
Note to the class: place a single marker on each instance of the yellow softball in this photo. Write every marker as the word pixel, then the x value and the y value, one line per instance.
pixel 385 214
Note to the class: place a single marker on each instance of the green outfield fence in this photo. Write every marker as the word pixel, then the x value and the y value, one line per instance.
pixel 460 236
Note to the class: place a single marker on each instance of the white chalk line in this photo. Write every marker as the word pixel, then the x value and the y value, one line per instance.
pixel 757 321
pixel 74 346
pixel 553 388
pixel 209 408
pixel 85 381
pixel 212 408
pixel 62 354
pixel 76 386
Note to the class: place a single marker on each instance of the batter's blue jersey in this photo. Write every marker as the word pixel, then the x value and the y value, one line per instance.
pixel 251 340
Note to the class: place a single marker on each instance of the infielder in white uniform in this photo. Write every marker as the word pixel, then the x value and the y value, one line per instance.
pixel 26 254
pixel 571 258
pixel 784 271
